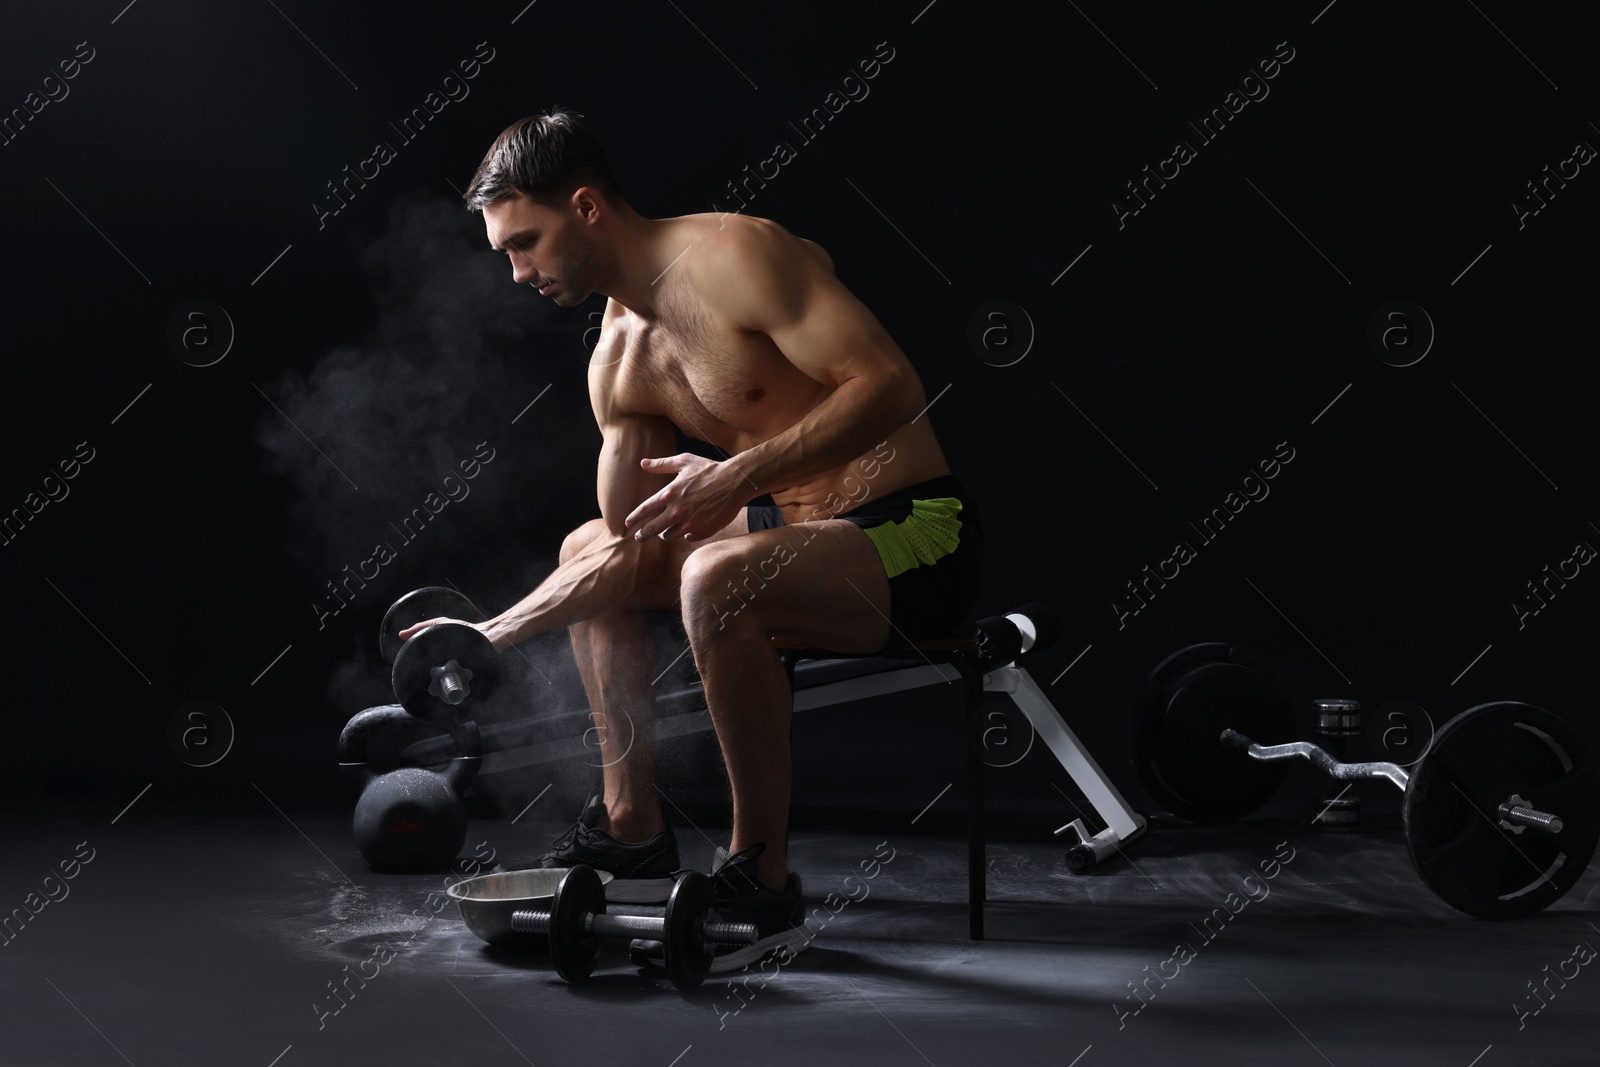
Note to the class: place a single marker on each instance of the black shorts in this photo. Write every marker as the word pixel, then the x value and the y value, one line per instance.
pixel 930 539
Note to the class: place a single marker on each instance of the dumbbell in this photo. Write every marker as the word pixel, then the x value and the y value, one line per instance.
pixel 442 671
pixel 576 921
pixel 1337 722
pixel 429 602
pixel 411 818
pixel 1500 813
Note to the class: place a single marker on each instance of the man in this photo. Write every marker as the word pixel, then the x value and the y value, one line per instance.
pixel 738 333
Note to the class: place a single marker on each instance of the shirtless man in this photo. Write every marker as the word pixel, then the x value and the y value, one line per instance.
pixel 738 333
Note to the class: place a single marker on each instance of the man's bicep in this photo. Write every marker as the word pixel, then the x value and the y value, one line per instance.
pixel 622 484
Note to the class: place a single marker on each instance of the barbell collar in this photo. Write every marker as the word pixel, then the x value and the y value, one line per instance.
pixel 1319 756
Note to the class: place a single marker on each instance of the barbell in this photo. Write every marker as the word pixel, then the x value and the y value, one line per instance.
pixel 1501 814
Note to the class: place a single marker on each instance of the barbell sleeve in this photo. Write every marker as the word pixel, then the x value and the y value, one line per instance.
pixel 1522 815
pixel 1306 750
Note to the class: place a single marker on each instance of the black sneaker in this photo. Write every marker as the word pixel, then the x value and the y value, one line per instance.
pixel 642 872
pixel 779 918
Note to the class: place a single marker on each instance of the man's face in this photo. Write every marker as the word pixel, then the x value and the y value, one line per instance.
pixel 550 248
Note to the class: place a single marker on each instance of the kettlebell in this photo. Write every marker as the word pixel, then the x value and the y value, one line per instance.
pixel 412 818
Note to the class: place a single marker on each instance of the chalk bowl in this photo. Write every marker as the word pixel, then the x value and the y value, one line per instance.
pixel 488 901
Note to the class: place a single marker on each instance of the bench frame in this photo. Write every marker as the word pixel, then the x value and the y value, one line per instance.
pixel 942 662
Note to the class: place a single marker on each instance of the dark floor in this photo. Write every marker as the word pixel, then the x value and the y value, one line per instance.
pixel 197 936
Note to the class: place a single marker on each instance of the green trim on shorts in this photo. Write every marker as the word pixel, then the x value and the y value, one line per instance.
pixel 927 535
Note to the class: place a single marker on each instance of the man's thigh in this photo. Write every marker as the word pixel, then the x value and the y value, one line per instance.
pixel 813 583
pixel 660 591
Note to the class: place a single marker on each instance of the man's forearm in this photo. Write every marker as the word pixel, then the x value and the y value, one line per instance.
pixel 858 415
pixel 593 581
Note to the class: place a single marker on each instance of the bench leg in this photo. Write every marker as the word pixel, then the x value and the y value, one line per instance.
pixel 977 834
pixel 977 858
pixel 1123 824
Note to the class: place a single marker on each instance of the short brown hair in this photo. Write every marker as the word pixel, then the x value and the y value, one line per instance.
pixel 543 157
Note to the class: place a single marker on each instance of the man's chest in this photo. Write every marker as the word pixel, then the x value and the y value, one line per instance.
pixel 699 375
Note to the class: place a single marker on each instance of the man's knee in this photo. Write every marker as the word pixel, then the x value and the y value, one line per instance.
pixel 714 592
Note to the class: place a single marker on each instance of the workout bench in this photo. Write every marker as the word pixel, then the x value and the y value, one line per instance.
pixel 984 661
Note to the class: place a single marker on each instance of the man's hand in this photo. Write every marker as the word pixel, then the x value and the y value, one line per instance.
pixel 481 627
pixel 704 497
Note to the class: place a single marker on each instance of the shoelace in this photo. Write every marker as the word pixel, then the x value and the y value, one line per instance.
pixel 724 881
pixel 754 850
pixel 563 842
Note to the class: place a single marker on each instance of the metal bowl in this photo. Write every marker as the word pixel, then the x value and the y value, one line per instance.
pixel 487 901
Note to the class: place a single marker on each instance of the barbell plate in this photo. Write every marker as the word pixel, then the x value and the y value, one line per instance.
pixel 579 894
pixel 1193 696
pixel 434 647
pixel 429 602
pixel 1194 656
pixel 688 955
pixel 1451 811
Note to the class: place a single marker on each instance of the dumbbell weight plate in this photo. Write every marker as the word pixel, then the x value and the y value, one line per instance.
pixel 688 955
pixel 429 602
pixel 1451 811
pixel 579 895
pixel 1193 696
pixel 434 647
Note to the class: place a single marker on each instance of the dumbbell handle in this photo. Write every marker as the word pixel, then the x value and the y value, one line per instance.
pixel 1306 750
pixel 537 921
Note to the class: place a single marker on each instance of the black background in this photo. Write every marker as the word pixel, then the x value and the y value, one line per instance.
pixel 1221 320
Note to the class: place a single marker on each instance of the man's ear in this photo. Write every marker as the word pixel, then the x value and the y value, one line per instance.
pixel 588 204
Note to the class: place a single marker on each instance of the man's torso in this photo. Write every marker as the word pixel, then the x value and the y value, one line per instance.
pixel 734 389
